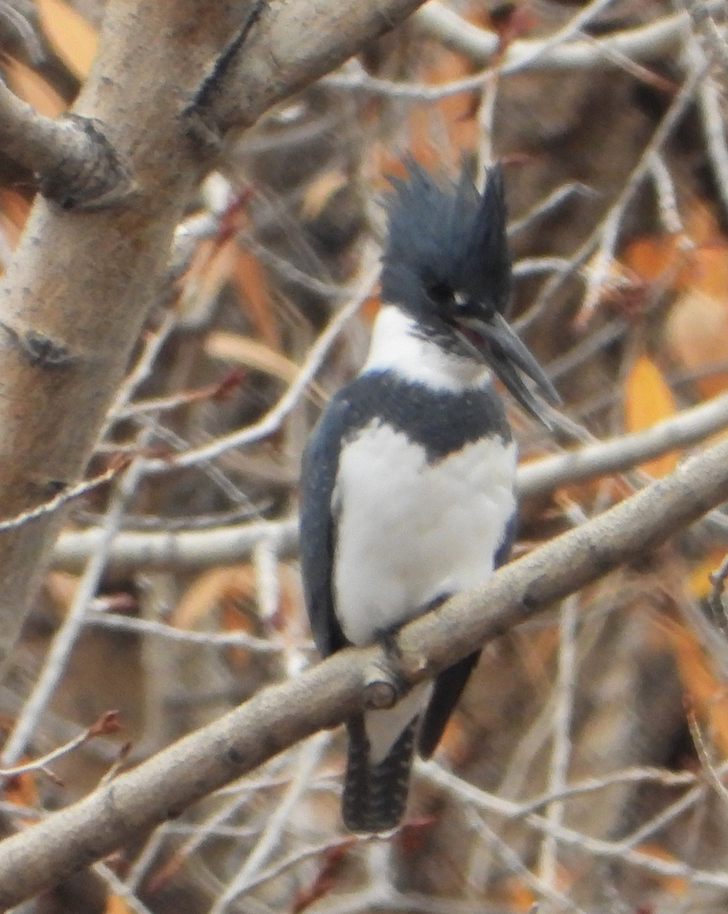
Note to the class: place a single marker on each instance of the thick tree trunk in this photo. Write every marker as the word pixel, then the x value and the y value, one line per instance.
pixel 76 295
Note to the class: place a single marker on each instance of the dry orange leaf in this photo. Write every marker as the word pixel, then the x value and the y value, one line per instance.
pixel 650 258
pixel 116 905
pixel 231 347
pixel 210 268
pixel 370 308
pixel 697 326
pixel 207 592
pixel 214 591
pixel 697 333
pixel 248 277
pixel 32 88
pixel 647 400
pixel 699 576
pixel 706 693
pixel 14 209
pixel 517 895
pixel 696 329
pixel 72 37
pixel 675 885
pixel 245 351
pixel 21 789
pixel 320 191
pixel 440 132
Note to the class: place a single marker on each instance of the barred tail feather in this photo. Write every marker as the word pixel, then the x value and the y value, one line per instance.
pixel 375 796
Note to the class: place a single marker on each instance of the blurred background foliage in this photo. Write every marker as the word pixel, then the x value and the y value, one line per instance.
pixel 585 768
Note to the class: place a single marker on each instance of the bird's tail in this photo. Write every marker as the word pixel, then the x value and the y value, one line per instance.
pixel 375 796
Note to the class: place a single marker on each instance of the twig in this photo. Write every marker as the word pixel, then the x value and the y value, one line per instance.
pixel 666 198
pixel 230 544
pixel 197 549
pixel 609 228
pixel 202 831
pixel 66 636
pixel 305 763
pixel 280 715
pixel 705 756
pixel 539 885
pixel 705 27
pixel 713 117
pixel 28 37
pixel 561 747
pixel 642 43
pixel 717 580
pixel 575 26
pixel 118 887
pixel 141 371
pixel 107 723
pixel 627 776
pixel 242 639
pixel 550 203
pixel 48 507
pixel 273 418
pixel 578 841
pixel 626 451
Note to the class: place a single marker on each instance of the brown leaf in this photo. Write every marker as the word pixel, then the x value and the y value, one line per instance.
pixel 73 38
pixel 32 88
pixel 233 347
pixel 706 694
pixel 647 400
pixel 248 277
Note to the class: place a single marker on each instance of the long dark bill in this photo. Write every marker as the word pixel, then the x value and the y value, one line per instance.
pixel 508 356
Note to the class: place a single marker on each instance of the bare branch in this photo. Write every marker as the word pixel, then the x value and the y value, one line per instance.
pixel 75 163
pixel 191 549
pixel 287 50
pixel 283 714
pixel 67 345
pixel 643 43
pixel 609 850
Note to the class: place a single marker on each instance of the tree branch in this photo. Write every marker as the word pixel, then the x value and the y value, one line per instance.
pixel 65 344
pixel 75 163
pixel 642 43
pixel 291 45
pixel 189 549
pixel 279 716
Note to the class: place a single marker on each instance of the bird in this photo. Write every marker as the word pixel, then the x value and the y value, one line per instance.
pixel 407 488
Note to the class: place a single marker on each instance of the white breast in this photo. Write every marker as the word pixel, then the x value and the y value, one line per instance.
pixel 409 531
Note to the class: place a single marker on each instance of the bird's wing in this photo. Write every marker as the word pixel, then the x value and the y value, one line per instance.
pixel 318 524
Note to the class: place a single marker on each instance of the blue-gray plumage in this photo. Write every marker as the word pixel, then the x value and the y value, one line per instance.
pixel 407 484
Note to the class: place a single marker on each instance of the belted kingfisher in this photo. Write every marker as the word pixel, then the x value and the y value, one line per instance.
pixel 408 481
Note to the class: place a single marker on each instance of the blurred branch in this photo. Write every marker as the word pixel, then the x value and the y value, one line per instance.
pixel 626 451
pixel 609 230
pixel 623 850
pixel 286 48
pixel 180 549
pixel 643 43
pixel 271 422
pixel 189 549
pixel 76 165
pixel 281 715
pixel 69 632
pixel 64 354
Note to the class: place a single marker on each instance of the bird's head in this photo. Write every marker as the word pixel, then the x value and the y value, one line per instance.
pixel 446 263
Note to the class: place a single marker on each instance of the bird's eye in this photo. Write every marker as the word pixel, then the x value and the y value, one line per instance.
pixel 440 293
